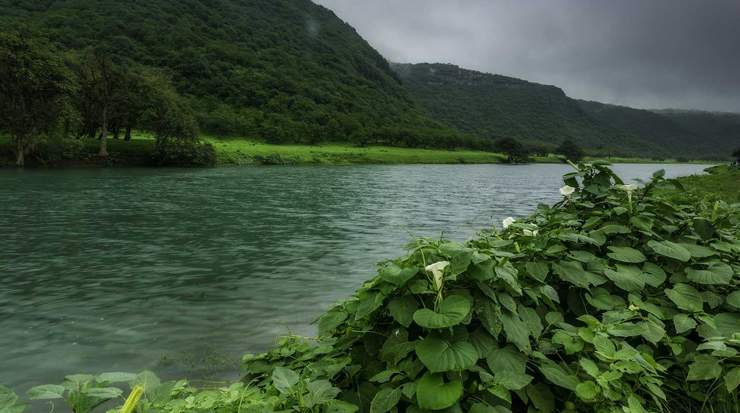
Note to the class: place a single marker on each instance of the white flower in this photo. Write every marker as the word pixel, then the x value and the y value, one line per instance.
pixel 531 233
pixel 567 190
pixel 508 221
pixel 628 188
pixel 437 269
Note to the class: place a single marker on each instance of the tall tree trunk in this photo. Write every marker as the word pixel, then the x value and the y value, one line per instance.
pixel 116 132
pixel 20 152
pixel 104 136
pixel 128 133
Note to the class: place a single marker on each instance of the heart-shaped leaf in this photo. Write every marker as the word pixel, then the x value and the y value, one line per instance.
pixel 397 275
pixel 440 355
pixel 385 400
pixel 626 254
pixel 685 297
pixel 626 277
pixel 402 309
pixel 670 250
pixel 452 311
pixel 716 274
pixel 433 393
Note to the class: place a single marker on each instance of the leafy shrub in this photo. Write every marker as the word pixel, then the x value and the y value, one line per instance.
pixel 176 152
pixel 613 300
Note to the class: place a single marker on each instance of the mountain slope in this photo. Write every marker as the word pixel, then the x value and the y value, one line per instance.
pixel 286 70
pixel 722 130
pixel 495 106
pixel 688 134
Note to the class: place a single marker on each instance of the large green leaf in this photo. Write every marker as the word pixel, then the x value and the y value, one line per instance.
pixel 704 368
pixel 626 254
pixel 402 309
pixel 116 377
pixel 654 275
pixel 284 379
pixel 385 400
pixel 320 392
pixel 573 272
pixel 538 270
pixel 433 393
pixel 103 392
pixel 685 297
pixel 670 250
pixel 507 359
pixel 331 320
pixel 732 379
pixel 452 311
pixel 626 277
pixel 734 299
pixel 557 375
pixel 715 274
pixel 516 331
pixel 369 301
pixel 683 323
pixel 46 392
pixel 397 275
pixel 441 355
pixel 587 390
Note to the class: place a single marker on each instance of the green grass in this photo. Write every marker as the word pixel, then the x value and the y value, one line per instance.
pixel 246 152
pixel 720 183
pixel 235 151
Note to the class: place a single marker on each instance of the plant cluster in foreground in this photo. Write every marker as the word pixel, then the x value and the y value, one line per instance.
pixel 613 300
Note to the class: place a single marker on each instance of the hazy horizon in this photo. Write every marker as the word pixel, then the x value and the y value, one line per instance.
pixel 663 54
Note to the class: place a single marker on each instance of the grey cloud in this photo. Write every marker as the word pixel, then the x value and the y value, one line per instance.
pixel 642 53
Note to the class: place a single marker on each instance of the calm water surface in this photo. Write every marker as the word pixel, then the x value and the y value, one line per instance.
pixel 182 271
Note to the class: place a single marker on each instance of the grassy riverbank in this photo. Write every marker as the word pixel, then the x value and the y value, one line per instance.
pixel 236 152
pixel 719 183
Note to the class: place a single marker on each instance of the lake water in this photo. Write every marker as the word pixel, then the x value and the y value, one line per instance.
pixel 182 271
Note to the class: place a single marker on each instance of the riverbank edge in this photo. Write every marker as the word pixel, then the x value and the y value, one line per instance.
pixel 244 152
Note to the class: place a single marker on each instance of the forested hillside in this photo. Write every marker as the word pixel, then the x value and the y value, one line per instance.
pixel 687 134
pixel 495 106
pixel 281 70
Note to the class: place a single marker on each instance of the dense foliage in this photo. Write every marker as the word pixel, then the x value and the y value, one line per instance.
pixel 49 101
pixel 494 106
pixel 35 90
pixel 613 300
pixel 278 70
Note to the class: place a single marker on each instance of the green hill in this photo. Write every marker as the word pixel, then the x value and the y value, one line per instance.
pixel 495 106
pixel 282 70
pixel 687 134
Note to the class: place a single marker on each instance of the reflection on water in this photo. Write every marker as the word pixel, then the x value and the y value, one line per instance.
pixel 126 269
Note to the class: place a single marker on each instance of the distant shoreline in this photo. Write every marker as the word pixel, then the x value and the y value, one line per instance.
pixel 242 152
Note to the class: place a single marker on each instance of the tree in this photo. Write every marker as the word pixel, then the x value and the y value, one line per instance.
pixel 101 90
pixel 570 151
pixel 34 89
pixel 514 150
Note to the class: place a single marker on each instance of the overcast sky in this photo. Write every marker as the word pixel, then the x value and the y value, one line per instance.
pixel 641 53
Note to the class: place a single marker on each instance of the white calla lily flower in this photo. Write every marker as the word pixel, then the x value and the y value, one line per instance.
pixel 628 188
pixel 437 269
pixel 567 190
pixel 507 222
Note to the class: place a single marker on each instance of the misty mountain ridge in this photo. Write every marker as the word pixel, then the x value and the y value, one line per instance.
pixel 497 106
